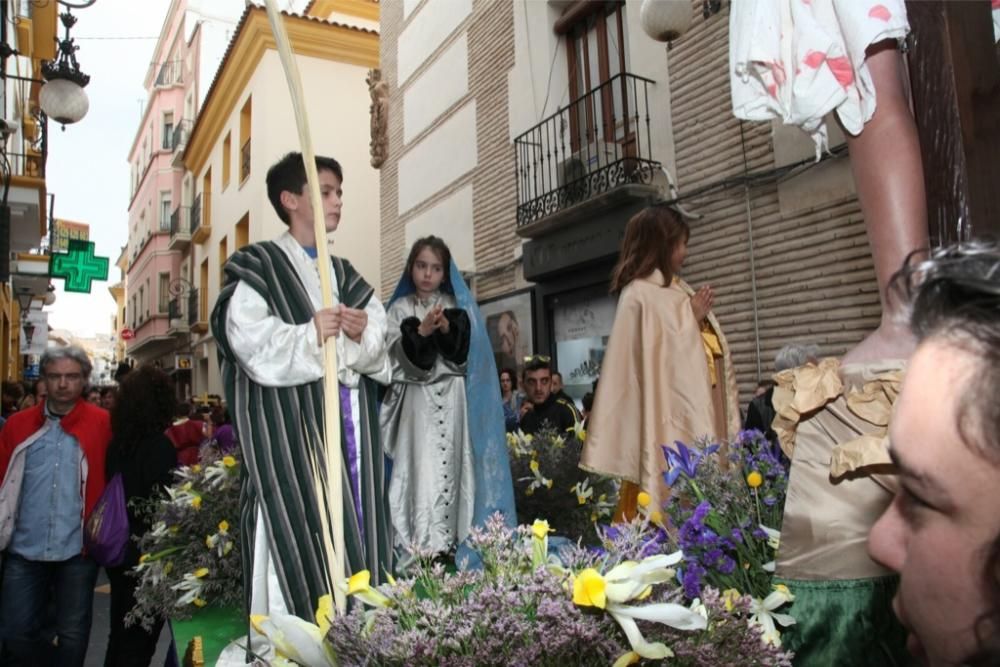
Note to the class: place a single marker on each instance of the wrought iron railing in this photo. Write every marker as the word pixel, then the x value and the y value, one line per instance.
pixel 174 308
pixel 196 214
pixel 194 306
pixel 595 144
pixel 180 221
pixel 170 73
pixel 181 133
pixel 245 161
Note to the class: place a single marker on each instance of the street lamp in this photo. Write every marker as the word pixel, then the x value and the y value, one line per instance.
pixel 62 98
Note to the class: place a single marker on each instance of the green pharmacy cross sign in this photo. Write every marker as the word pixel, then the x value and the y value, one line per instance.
pixel 78 267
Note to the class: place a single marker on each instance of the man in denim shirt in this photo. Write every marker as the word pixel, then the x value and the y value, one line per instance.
pixel 52 467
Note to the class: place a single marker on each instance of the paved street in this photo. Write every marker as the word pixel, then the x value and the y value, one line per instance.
pixel 99 629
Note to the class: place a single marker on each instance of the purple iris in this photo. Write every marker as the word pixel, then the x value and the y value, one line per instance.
pixel 684 460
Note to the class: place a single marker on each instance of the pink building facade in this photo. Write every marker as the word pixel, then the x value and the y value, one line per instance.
pixel 158 222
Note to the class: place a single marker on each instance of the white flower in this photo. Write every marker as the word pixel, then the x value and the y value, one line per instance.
pixel 631 581
pixel 765 618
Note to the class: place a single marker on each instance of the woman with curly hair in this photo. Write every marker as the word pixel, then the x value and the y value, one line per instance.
pixel 145 457
pixel 942 531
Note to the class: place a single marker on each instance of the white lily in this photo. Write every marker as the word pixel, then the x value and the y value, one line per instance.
pixel 538 480
pixel 630 581
pixel 191 584
pixel 764 615
pixel 583 490
pixel 299 640
pixel 520 442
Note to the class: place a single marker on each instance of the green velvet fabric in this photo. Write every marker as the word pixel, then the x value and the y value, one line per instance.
pixel 845 622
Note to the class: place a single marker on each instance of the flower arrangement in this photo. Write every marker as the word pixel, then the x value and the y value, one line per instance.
pixel 726 511
pixel 549 484
pixel 191 557
pixel 590 606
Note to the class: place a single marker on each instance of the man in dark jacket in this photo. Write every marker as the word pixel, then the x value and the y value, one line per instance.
pixel 542 407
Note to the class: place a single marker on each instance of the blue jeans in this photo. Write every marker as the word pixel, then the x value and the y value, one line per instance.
pixel 24 603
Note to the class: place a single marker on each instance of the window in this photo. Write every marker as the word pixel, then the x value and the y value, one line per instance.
pixel 206 199
pixel 166 209
pixel 243 232
pixel 223 256
pixel 227 152
pixel 142 304
pixel 163 292
pixel 203 293
pixel 245 125
pixel 168 130
pixel 149 297
pixel 595 54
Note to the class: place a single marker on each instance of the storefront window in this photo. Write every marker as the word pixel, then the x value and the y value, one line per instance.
pixel 582 327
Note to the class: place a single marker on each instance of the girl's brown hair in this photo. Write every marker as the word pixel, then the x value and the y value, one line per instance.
pixel 651 236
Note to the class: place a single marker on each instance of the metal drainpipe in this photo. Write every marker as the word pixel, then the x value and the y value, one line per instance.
pixel 753 263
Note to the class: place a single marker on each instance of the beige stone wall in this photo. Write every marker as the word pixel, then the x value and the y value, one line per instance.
pixel 489 31
pixel 814 275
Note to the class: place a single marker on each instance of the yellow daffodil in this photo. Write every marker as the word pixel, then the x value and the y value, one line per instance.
pixel 228 461
pixel 730 597
pixel 588 589
pixel 643 499
pixel 533 465
pixel 360 585
pixel 578 431
pixel 201 572
pixel 764 615
pixel 539 542
pixel 755 479
pixel 629 658
pixel 198 602
pixel 223 526
pixel 630 581
pixel 196 467
pixel 296 639
pixel 196 502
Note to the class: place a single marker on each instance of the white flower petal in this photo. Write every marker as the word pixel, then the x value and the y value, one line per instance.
pixel 674 615
pixel 648 650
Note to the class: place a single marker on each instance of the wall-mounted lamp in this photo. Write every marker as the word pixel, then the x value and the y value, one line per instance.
pixel 62 98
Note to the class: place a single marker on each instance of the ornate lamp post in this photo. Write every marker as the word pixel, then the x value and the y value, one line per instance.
pixel 62 98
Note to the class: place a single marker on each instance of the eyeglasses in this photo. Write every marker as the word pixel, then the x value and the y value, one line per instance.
pixel 537 357
pixel 69 377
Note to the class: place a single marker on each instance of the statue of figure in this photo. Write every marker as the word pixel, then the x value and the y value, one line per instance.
pixel 379 90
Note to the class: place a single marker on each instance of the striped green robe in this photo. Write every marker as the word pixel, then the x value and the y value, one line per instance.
pixel 281 433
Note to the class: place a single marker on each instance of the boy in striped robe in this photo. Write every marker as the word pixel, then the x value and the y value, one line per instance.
pixel 268 322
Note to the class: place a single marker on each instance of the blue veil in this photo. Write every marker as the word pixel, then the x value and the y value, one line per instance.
pixel 494 488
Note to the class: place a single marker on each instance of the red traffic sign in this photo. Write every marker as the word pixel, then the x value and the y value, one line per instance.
pixel 127 334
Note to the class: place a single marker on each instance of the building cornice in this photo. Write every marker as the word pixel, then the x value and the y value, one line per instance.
pixel 362 9
pixel 308 36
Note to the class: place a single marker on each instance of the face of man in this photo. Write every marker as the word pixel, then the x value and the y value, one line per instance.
pixel 538 385
pixel 939 529
pixel 300 205
pixel 64 382
pixel 557 384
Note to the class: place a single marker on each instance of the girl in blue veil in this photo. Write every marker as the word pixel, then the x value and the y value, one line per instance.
pixel 442 418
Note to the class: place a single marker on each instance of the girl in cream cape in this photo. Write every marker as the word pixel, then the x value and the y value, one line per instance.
pixel 667 374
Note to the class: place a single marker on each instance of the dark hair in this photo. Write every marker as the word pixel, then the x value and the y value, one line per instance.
pixel 107 390
pixel 513 377
pixel 182 409
pixel 651 236
pixel 766 384
pixel 954 297
pixel 289 174
pixel 147 407
pixel 537 363
pixel 440 248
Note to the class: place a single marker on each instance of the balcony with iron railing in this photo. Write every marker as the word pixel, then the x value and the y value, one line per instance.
pixel 171 73
pixel 178 142
pixel 180 228
pixel 196 228
pixel 177 322
pixel 197 311
pixel 594 150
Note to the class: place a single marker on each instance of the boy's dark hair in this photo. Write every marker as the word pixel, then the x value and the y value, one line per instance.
pixel 182 410
pixel 538 363
pixel 440 248
pixel 289 173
